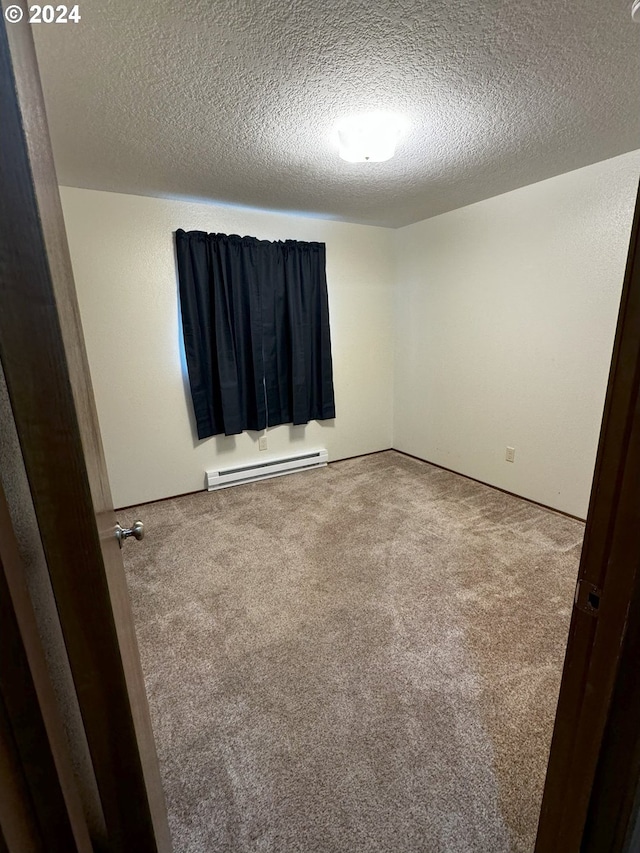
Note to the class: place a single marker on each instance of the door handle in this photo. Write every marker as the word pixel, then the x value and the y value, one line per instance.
pixel 136 530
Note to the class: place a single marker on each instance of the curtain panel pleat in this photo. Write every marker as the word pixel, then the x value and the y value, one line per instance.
pixel 255 318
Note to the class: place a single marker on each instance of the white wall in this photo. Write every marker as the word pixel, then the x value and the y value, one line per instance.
pixel 504 320
pixel 505 317
pixel 122 249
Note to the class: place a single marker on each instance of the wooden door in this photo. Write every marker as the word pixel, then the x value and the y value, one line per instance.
pixel 45 364
pixel 595 752
pixel 40 808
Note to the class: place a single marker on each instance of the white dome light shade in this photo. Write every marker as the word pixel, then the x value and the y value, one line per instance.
pixel 369 137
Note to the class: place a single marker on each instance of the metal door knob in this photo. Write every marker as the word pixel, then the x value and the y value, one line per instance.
pixel 136 530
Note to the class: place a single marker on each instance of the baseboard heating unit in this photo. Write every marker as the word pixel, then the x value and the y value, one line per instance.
pixel 226 477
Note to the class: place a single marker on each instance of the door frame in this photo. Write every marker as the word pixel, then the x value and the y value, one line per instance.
pixel 40 806
pixel 47 375
pixel 589 798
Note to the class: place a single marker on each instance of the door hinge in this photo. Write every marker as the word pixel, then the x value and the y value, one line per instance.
pixel 587 597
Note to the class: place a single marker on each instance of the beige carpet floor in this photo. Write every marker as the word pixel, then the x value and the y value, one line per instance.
pixel 361 658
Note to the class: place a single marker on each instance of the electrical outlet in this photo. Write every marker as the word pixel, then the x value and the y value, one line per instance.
pixel 262 442
pixel 511 454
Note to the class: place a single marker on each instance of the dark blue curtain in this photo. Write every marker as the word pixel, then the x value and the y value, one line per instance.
pixel 255 317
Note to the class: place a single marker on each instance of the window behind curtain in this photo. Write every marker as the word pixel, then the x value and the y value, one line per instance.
pixel 255 317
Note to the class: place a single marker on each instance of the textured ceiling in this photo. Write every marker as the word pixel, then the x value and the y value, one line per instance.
pixel 234 100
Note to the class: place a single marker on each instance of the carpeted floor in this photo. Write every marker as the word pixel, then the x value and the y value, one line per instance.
pixel 361 658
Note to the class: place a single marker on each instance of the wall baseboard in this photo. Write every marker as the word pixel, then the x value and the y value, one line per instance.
pixel 491 486
pixel 410 456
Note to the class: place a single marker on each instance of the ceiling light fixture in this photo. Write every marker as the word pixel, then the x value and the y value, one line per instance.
pixel 369 137
pixel 635 10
